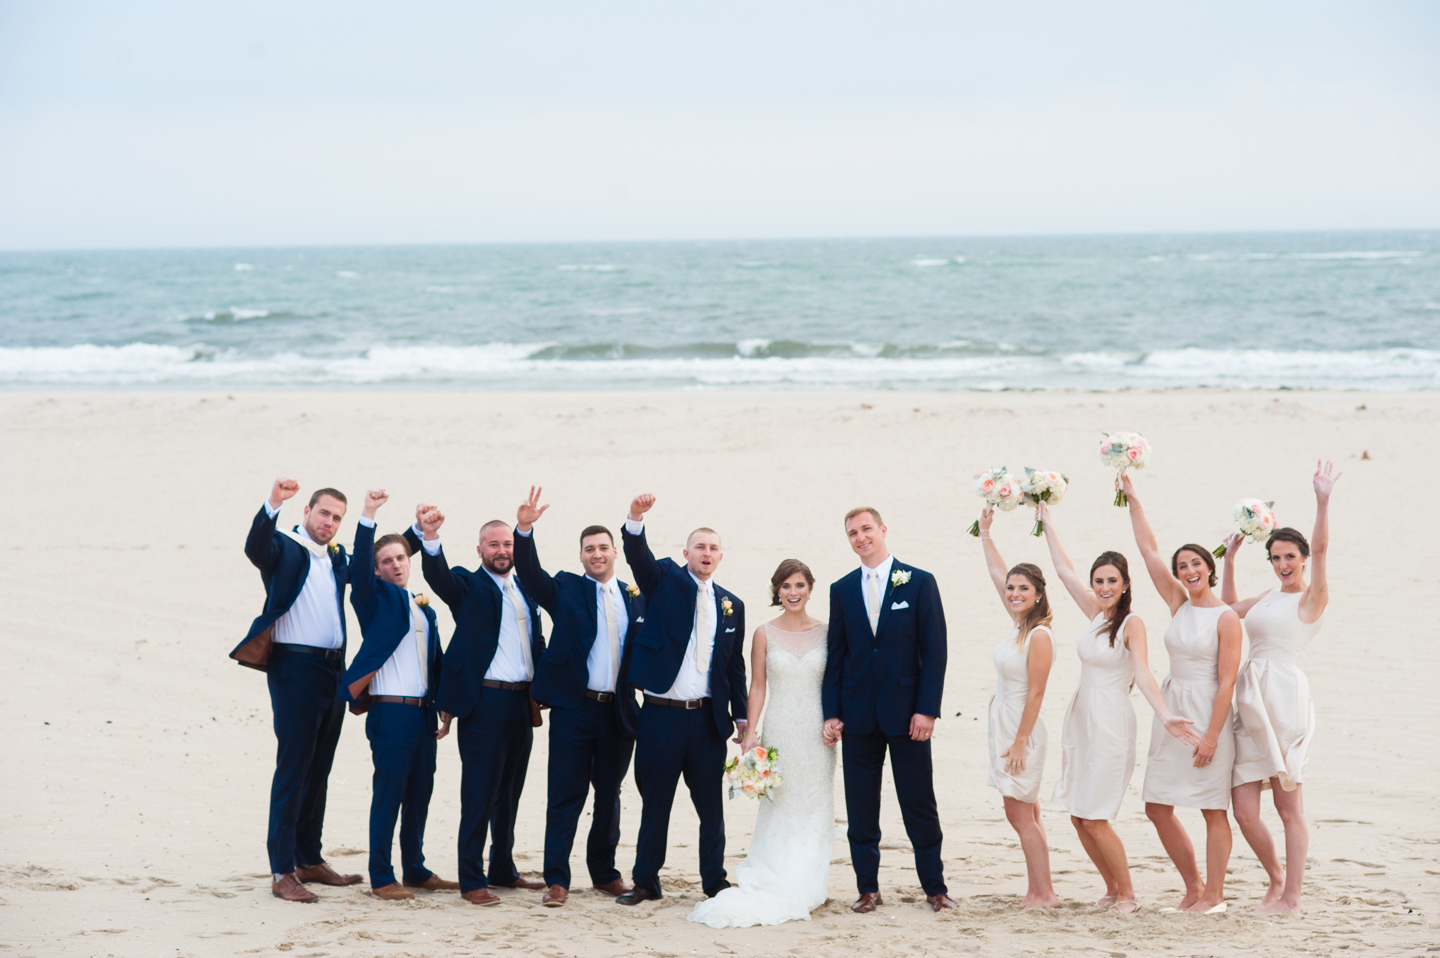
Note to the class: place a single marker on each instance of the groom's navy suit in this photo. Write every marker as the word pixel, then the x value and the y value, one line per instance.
pixel 874 682
pixel 673 740
pixel 402 735
pixel 495 732
pixel 592 734
pixel 304 683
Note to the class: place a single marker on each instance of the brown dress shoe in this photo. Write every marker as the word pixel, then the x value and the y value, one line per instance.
pixel 289 888
pixel 636 895
pixel 435 883
pixel 392 892
pixel 555 896
pixel 325 875
pixel 940 902
pixel 481 896
pixel 867 902
pixel 615 889
pixel 521 882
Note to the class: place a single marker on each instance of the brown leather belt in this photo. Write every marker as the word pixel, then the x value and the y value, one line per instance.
pixel 398 700
pixel 600 696
pixel 676 703
pixel 507 686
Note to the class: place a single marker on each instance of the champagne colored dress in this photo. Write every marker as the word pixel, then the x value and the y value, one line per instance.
pixel 1171 778
pixel 1012 685
pixel 1274 716
pixel 1097 744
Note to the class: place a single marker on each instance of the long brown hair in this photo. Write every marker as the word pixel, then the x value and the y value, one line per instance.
pixel 1039 613
pixel 1116 621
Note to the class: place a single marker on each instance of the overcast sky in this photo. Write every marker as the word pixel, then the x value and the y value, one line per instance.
pixel 217 124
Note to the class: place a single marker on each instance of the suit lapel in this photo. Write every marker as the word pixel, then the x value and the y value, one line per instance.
pixel 885 599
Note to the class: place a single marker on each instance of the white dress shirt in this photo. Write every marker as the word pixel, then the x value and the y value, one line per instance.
pixel 690 682
pixel 511 663
pixel 403 673
pixel 314 618
pixel 882 575
pixel 602 670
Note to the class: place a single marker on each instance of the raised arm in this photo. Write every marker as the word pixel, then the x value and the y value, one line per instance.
pixel 1317 595
pixel 362 563
pixel 438 574
pixel 993 563
pixel 260 546
pixel 637 549
pixel 1228 593
pixel 1133 634
pixel 527 558
pixel 756 705
pixel 1228 667
pixel 1037 665
pixel 1065 569
pixel 1166 584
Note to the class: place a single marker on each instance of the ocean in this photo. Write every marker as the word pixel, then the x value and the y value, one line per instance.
pixel 1346 310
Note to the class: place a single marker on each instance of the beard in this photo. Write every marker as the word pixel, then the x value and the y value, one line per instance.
pixel 500 565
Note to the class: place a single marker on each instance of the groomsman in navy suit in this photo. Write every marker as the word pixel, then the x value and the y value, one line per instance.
pixel 393 678
pixel 485 683
pixel 582 677
pixel 689 658
pixel 883 679
pixel 298 641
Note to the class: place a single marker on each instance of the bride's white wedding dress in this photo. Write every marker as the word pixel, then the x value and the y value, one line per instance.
pixel 784 876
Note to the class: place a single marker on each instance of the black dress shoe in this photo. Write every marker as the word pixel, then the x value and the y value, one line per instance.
pixel 636 895
pixel 717 889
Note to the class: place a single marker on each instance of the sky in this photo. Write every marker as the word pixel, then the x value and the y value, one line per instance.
pixel 145 124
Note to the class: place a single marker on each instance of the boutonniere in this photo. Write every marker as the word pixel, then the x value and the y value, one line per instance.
pixel 725 607
pixel 633 591
pixel 422 601
pixel 899 577
pixel 334 549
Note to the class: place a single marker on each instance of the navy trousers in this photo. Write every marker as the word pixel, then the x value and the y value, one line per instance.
pixel 495 740
pixel 914 786
pixel 669 743
pixel 402 746
pixel 307 724
pixel 587 748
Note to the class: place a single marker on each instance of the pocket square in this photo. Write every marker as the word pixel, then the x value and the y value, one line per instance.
pixel 731 629
pixel 899 605
pixel 640 618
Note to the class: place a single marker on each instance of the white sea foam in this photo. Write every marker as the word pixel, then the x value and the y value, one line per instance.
pixel 243 267
pixel 1361 254
pixel 346 273
pixel 930 262
pixel 749 347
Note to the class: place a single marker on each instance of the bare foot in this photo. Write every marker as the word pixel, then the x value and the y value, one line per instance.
pixel 1277 907
pixel 1273 893
pixel 1191 897
pixel 1127 907
pixel 1037 902
pixel 1105 902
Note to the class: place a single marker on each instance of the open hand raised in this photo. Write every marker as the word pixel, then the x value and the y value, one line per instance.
pixel 530 510
pixel 1325 477
pixel 431 521
pixel 374 499
pixel 282 489
pixel 640 505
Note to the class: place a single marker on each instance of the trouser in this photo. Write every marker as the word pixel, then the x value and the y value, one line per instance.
pixel 495 740
pixel 914 786
pixel 307 720
pixel 670 743
pixel 402 747
pixel 587 748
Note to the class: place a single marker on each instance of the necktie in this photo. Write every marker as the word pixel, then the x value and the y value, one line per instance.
pixel 614 634
pixel 422 650
pixel 704 627
pixel 872 593
pixel 522 623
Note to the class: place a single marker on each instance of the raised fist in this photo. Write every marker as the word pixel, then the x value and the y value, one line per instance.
pixel 641 504
pixel 282 490
pixel 374 499
pixel 431 522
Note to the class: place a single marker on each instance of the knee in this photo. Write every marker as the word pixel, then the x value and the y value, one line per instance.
pixel 1247 816
pixel 1290 816
pixel 1019 816
pixel 1091 827
pixel 1158 814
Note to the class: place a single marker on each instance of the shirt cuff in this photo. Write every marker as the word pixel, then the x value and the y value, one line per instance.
pixel 272 513
pixel 633 527
pixel 431 546
pixel 367 523
pixel 525 534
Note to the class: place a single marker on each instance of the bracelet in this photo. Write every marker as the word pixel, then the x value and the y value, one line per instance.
pixel 984 537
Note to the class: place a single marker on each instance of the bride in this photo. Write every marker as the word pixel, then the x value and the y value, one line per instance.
pixel 784 876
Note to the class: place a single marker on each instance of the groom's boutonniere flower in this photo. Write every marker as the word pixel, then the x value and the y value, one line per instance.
pixel 725 607
pixel 334 549
pixel 633 591
pixel 899 577
pixel 422 600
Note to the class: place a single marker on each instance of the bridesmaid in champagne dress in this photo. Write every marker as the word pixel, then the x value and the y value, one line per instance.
pixel 1203 641
pixel 1274 717
pixel 1097 745
pixel 1016 733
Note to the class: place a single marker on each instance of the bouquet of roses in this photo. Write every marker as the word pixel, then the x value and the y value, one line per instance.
pixel 999 489
pixel 1256 520
pixel 1041 485
pixel 1121 451
pixel 755 773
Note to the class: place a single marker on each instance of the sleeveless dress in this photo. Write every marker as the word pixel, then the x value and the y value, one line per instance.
pixel 1171 777
pixel 1274 717
pixel 1012 685
pixel 785 874
pixel 1097 744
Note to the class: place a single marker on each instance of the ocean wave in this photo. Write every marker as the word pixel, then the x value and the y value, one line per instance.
pixel 752 363
pixel 930 262
pixel 235 314
pixel 1362 254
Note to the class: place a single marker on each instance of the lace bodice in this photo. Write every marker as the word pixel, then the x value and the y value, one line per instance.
pixel 794 668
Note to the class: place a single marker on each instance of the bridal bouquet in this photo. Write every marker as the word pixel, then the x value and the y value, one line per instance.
pixel 1256 520
pixel 999 489
pixel 1121 451
pixel 755 773
pixel 1041 485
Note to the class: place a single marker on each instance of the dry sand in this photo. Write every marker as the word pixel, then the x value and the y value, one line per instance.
pixel 138 757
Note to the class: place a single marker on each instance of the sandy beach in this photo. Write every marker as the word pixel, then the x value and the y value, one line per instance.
pixel 138 757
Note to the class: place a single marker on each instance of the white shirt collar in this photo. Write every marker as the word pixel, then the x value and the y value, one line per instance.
pixel 881 571
pixel 500 580
pixel 704 584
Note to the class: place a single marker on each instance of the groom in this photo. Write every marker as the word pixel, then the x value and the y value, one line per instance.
pixel 883 680
pixel 689 658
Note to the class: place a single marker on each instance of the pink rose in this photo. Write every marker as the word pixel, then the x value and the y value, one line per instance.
pixel 1133 453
